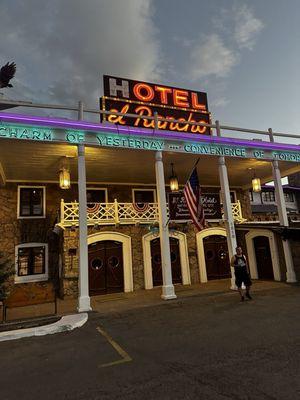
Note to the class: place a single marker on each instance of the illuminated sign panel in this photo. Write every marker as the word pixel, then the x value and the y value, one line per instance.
pixel 160 141
pixel 116 105
pixel 144 98
pixel 179 211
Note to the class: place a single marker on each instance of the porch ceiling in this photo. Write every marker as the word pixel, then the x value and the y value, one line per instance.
pixel 39 162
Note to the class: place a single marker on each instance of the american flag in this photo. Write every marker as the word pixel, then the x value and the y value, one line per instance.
pixel 192 194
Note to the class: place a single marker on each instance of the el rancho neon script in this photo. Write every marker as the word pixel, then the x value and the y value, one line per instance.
pixel 144 99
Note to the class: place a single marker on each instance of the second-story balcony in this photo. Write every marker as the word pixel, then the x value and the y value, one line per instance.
pixel 121 213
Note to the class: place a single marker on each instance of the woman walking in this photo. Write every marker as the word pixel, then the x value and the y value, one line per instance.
pixel 241 270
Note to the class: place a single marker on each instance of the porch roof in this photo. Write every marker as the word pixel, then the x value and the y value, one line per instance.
pixel 23 161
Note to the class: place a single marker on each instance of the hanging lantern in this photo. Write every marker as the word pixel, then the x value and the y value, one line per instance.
pixel 64 179
pixel 256 186
pixel 64 174
pixel 174 186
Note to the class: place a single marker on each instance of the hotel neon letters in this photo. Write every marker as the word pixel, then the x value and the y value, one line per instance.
pixel 138 91
pixel 143 98
pixel 146 111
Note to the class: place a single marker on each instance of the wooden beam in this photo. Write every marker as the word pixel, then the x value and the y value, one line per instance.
pixel 2 176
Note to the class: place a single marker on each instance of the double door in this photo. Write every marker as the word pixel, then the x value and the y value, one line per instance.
pixel 263 257
pixel 216 257
pixel 156 261
pixel 106 267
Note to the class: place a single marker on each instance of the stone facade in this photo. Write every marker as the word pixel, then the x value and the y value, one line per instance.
pixel 70 262
pixel 9 233
pixel 192 252
pixel 14 231
pixel 241 241
pixel 295 246
pixel 123 193
pixel 243 197
pixel 63 245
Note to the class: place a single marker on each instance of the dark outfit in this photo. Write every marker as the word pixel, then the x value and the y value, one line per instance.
pixel 240 270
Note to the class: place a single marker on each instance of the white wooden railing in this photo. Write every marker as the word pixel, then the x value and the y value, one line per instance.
pixel 237 212
pixel 120 213
pixel 109 213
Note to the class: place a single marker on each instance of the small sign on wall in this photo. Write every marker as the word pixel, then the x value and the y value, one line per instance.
pixel 179 211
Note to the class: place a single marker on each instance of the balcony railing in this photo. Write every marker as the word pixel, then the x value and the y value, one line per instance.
pixel 237 212
pixel 120 213
pixel 109 213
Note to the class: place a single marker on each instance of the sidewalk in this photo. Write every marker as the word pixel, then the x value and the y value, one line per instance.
pixel 119 302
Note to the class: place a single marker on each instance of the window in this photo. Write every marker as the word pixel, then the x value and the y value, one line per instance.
pixel 232 196
pixel 142 196
pixel 289 197
pixel 31 262
pixel 96 195
pixel 31 202
pixel 268 197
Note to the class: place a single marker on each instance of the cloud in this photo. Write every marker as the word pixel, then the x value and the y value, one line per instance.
pixel 219 102
pixel 183 41
pixel 246 26
pixel 212 58
pixel 234 30
pixel 62 47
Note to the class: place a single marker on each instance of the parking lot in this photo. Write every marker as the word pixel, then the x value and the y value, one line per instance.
pixel 196 347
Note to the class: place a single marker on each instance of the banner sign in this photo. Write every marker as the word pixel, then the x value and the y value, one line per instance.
pixel 211 205
pixel 144 99
pixel 179 211
pixel 162 142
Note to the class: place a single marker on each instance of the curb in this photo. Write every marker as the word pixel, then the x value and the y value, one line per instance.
pixel 66 323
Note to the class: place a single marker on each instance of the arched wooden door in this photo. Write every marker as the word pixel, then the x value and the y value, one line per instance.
pixel 156 261
pixel 106 267
pixel 263 257
pixel 216 257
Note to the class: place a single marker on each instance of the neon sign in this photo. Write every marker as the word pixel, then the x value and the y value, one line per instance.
pixel 144 99
pixel 148 111
pixel 64 131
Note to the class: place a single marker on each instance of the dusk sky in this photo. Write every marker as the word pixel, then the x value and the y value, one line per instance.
pixel 244 54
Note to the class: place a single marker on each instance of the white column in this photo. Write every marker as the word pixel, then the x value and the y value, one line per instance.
pixel 283 218
pixel 168 287
pixel 84 303
pixel 227 208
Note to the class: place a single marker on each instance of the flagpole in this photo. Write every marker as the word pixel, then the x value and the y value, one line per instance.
pixel 195 165
pixel 200 200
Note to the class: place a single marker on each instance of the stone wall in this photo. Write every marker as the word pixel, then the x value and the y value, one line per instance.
pixel 190 232
pixel 63 248
pixel 70 261
pixel 9 234
pixel 241 241
pixel 281 258
pixel 243 197
pixel 14 231
pixel 69 284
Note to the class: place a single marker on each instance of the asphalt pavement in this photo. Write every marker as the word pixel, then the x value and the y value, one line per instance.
pixel 197 347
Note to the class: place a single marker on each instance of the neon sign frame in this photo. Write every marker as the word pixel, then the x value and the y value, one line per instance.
pixel 128 96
